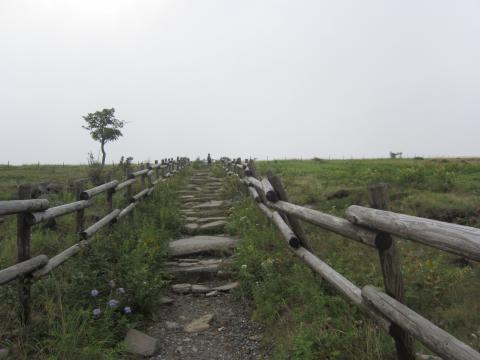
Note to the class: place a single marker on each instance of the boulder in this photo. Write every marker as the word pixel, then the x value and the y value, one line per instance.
pixel 139 343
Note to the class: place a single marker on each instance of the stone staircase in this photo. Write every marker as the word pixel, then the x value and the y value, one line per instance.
pixel 200 318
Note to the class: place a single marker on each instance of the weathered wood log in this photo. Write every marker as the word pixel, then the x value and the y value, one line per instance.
pixel 391 270
pixel 125 184
pixel 140 195
pixel 294 223
pixel 287 233
pixel 434 338
pixel 54 212
pixel 59 259
pixel 127 210
pixel 328 222
pixel 282 226
pixel 457 239
pixel 139 173
pixel 99 224
pixel 17 206
pixel 25 267
pixel 268 190
pixel 252 168
pixel 149 173
pixel 254 194
pixel 88 194
pixel 80 215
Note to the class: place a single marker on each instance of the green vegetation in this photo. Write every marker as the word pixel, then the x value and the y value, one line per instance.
pixel 304 317
pixel 125 256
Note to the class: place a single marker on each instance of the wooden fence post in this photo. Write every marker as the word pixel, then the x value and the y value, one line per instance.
pixel 80 214
pixel 297 227
pixel 110 193
pixel 24 234
pixel 156 170
pixel 391 270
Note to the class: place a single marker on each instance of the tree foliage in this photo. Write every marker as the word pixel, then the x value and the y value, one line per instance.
pixel 104 127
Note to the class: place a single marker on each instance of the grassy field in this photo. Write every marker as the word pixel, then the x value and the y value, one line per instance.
pixel 127 257
pixel 303 316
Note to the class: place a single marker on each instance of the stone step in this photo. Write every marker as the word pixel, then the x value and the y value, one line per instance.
pixel 202 212
pixel 210 204
pixel 202 270
pixel 186 288
pixel 202 244
pixel 206 228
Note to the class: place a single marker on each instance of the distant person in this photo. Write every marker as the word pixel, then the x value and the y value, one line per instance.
pixel 209 160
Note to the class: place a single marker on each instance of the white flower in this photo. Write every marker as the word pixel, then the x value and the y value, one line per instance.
pixel 96 312
pixel 94 292
pixel 127 310
pixel 120 291
pixel 244 266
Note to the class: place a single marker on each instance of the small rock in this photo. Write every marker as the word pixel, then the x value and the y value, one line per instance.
pixel 200 289
pixel 171 325
pixel 221 328
pixel 140 343
pixel 255 338
pixel 165 300
pixel 212 293
pixel 182 288
pixel 200 324
pixel 194 349
pixel 228 287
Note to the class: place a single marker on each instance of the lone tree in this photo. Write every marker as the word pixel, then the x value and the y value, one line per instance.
pixel 104 127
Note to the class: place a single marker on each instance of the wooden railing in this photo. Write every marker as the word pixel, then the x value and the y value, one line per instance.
pixel 372 227
pixel 34 211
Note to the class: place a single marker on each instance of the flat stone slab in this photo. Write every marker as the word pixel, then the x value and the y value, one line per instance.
pixel 210 204
pixel 140 343
pixel 201 244
pixel 210 219
pixel 200 324
pixel 208 228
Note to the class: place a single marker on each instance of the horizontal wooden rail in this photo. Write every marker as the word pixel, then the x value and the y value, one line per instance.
pixel 140 195
pixel 25 267
pixel 434 338
pixel 54 212
pixel 125 184
pixel 59 259
pixel 457 239
pixel 99 224
pixel 328 222
pixel 139 173
pixel 127 210
pixel 88 194
pixel 17 206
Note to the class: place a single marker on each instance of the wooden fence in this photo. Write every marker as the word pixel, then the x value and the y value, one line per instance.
pixel 30 212
pixel 372 227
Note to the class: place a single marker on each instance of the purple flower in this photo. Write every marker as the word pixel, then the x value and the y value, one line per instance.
pixel 120 291
pixel 96 312
pixel 94 292
pixel 127 310
pixel 112 303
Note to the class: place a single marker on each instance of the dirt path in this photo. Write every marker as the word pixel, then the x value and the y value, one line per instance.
pixel 200 318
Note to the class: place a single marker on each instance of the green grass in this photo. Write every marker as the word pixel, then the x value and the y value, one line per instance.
pixel 63 325
pixel 303 316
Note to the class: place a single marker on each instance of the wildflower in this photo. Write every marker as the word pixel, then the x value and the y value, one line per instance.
pixel 127 310
pixel 112 303
pixel 94 292
pixel 244 266
pixel 111 283
pixel 120 291
pixel 96 312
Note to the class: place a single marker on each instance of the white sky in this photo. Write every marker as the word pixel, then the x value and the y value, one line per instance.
pixel 240 78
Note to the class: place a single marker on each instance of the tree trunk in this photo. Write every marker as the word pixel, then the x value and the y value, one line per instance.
pixel 104 155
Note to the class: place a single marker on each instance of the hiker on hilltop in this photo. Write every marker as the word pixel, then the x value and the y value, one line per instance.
pixel 209 159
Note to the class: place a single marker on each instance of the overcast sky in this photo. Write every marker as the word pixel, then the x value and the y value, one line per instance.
pixel 245 78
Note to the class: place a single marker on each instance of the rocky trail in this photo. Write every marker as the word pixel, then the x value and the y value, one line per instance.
pixel 199 317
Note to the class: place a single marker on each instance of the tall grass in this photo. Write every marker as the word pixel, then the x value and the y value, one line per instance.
pixel 124 256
